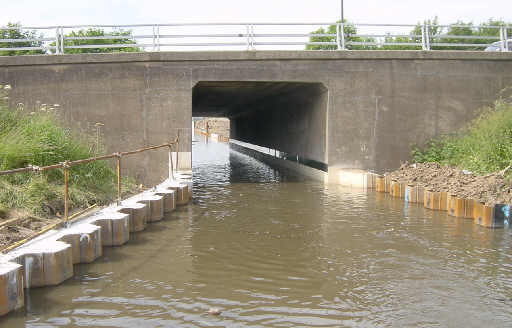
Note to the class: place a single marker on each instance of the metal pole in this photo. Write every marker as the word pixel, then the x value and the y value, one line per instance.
pixel 62 40
pixel 57 40
pixel 171 173
pixel 342 36
pixel 118 179
pixel 178 151
pixel 66 191
pixel 342 18
pixel 158 38
pixel 427 36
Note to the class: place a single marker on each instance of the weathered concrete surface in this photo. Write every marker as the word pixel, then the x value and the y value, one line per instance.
pixel 374 104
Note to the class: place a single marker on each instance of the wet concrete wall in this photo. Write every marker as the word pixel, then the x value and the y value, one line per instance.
pixel 377 102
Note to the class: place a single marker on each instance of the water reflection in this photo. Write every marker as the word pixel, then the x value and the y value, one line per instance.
pixel 273 250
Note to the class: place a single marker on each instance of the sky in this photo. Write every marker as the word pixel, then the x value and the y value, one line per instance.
pixel 73 12
pixel 38 13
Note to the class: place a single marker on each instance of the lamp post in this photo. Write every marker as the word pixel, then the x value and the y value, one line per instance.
pixel 341 11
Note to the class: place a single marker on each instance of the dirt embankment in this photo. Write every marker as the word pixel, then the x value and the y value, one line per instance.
pixel 20 227
pixel 494 188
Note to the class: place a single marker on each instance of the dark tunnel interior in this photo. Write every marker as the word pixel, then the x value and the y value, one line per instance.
pixel 288 116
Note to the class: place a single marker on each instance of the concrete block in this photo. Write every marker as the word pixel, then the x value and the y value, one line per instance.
pixel 370 180
pixel 420 191
pixel 155 204
pixel 403 186
pixel 181 190
pixel 350 178
pixel 11 287
pixel 170 197
pixel 115 228
pixel 57 265
pixel 495 216
pixel 411 195
pixel 478 208
pixel 85 241
pixel 395 188
pixel 387 182
pixel 456 206
pixel 468 208
pixel 380 184
pixel 443 201
pixel 137 213
pixel 45 263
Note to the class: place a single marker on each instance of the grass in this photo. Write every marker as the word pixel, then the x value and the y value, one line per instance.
pixel 483 146
pixel 39 138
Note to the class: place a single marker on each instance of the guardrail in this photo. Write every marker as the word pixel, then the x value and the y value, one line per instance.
pixel 252 36
pixel 68 164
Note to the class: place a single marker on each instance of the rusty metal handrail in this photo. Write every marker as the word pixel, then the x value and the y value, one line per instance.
pixel 66 165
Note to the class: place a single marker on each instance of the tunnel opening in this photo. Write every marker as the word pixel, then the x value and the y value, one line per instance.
pixel 286 119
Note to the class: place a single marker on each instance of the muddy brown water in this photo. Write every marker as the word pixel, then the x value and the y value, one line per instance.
pixel 273 250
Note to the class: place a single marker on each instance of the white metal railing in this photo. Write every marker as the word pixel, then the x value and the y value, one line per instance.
pixel 252 36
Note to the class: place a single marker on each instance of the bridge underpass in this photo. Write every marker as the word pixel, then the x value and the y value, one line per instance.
pixel 287 116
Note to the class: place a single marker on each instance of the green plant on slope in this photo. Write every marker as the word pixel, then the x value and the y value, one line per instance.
pixel 38 138
pixel 484 146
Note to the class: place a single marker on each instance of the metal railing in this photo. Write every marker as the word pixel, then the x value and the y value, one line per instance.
pixel 68 164
pixel 252 36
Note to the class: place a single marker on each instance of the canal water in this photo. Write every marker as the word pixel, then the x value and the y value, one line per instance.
pixel 272 250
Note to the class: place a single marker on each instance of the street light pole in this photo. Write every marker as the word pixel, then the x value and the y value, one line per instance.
pixel 341 11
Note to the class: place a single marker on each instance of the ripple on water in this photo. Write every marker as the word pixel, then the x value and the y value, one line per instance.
pixel 272 250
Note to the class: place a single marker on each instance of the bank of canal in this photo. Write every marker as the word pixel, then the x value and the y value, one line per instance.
pixel 272 250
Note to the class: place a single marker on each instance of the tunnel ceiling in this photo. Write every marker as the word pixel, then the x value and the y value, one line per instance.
pixel 232 98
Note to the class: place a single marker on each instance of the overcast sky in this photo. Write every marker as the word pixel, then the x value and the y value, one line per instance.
pixel 60 12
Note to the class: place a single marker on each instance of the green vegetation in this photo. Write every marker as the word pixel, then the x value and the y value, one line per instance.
pixel 14 32
pixel 437 34
pixel 37 138
pixel 118 38
pixel 484 146
pixel 348 29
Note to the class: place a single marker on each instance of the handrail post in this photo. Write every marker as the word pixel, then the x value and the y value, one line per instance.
pixel 65 165
pixel 154 38
pixel 504 37
pixel 423 39
pixel 118 157
pixel 342 36
pixel 248 38
pixel 57 40
pixel 252 38
pixel 338 39
pixel 427 36
pixel 62 40
pixel 158 38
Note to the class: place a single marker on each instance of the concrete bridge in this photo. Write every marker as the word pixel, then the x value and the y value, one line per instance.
pixel 336 110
